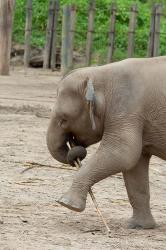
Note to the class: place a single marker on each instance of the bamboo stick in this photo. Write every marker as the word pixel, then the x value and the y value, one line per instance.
pixel 78 166
pixel 31 165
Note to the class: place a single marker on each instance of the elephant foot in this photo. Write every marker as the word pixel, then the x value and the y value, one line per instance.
pixel 73 202
pixel 141 223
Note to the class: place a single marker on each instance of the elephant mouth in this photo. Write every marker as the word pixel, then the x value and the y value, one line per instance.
pixel 73 140
pixel 79 142
pixel 83 140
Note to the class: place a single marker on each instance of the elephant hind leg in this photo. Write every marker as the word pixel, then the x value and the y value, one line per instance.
pixel 137 185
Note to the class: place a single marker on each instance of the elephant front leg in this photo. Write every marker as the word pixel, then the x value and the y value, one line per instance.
pixel 75 198
pixel 137 185
pixel 111 158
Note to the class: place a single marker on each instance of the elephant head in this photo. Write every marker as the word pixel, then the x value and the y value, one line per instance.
pixel 78 114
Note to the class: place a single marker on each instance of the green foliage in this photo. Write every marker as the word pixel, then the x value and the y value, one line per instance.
pixel 102 20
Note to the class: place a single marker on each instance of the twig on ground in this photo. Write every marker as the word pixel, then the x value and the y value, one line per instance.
pixel 77 163
pixel 31 165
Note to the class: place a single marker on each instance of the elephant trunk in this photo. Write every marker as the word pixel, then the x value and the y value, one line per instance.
pixel 57 143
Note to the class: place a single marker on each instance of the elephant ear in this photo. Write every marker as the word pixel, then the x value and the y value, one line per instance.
pixel 90 97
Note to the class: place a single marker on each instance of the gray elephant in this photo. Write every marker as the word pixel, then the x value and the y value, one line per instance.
pixel 123 105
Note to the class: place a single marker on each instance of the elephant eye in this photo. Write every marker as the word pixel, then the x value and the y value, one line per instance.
pixel 62 122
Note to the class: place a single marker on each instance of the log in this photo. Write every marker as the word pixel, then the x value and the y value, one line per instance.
pixel 90 32
pixel 112 33
pixel 6 21
pixel 54 35
pixel 132 26
pixel 158 14
pixel 151 33
pixel 28 30
pixel 65 39
pixel 48 45
pixel 71 36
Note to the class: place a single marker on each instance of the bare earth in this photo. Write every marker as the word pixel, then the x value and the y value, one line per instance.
pixel 30 218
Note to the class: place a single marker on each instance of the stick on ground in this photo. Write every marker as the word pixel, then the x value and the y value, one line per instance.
pixel 32 165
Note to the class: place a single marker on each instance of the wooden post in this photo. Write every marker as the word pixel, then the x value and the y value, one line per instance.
pixel 158 14
pixel 54 35
pixel 112 33
pixel 132 26
pixel 65 39
pixel 28 29
pixel 50 21
pixel 151 34
pixel 72 33
pixel 90 32
pixel 6 20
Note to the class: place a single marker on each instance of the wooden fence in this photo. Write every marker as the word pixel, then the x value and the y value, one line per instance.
pixel 69 30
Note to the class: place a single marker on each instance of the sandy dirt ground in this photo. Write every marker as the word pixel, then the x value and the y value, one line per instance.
pixel 30 218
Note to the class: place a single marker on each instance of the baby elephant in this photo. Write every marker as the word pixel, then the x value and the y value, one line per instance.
pixel 123 105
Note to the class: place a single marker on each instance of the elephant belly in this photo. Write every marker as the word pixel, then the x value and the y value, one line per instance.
pixel 160 153
pixel 153 150
pixel 154 133
pixel 155 146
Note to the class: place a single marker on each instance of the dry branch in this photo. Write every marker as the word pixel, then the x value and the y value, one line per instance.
pixel 31 165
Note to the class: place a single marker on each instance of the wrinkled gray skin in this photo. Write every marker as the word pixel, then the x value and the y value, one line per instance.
pixel 130 118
